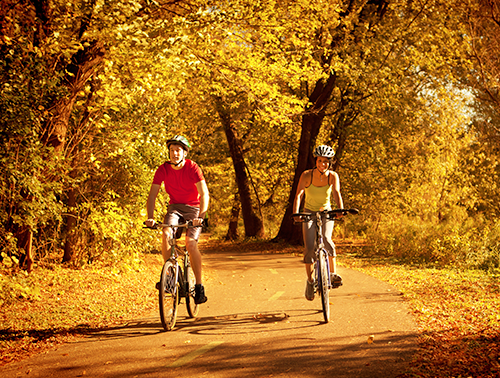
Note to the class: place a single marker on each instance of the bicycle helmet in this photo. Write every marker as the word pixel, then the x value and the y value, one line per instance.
pixel 324 151
pixel 179 139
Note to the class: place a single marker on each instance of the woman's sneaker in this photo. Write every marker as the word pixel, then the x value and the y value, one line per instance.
pixel 199 294
pixel 335 280
pixel 310 290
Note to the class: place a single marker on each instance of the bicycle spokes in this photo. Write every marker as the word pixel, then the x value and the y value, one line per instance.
pixel 169 295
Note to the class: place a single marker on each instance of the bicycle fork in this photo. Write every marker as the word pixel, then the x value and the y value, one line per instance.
pixel 327 260
pixel 172 282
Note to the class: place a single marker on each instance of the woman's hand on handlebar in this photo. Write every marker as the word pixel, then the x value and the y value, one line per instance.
pixel 150 223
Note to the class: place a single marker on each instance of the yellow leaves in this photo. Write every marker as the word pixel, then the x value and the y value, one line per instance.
pixel 7 40
pixel 93 159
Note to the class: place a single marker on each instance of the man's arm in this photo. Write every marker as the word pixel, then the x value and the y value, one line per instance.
pixel 204 198
pixel 150 205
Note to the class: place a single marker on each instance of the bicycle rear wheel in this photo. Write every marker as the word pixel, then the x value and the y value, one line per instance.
pixel 192 308
pixel 169 295
pixel 323 284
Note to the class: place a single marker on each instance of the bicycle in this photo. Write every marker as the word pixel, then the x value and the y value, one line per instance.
pixel 177 280
pixel 323 282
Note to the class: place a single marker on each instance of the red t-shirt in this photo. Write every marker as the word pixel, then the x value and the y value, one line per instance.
pixel 180 184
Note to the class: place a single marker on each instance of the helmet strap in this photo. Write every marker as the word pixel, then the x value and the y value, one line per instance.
pixel 179 163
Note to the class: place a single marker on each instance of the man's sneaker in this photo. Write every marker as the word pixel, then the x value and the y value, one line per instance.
pixel 310 290
pixel 336 280
pixel 199 294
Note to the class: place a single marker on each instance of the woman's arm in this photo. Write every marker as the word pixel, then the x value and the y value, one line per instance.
pixel 299 196
pixel 336 190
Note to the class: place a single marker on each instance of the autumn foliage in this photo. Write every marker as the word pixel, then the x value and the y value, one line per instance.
pixel 405 91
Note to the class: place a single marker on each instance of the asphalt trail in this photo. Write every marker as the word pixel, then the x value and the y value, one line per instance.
pixel 256 323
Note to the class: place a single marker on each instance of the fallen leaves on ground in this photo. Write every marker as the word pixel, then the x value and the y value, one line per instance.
pixel 458 314
pixel 73 302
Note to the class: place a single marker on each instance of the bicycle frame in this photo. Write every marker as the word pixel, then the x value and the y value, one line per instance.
pixel 176 280
pixel 322 264
pixel 174 256
pixel 320 246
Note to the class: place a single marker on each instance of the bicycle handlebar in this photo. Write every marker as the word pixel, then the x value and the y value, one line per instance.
pixel 328 212
pixel 345 211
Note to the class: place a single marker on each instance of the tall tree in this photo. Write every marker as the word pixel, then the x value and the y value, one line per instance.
pixel 481 21
pixel 250 206
pixel 70 71
pixel 53 133
pixel 369 45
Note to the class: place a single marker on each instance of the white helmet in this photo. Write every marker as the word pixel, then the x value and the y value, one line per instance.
pixel 324 151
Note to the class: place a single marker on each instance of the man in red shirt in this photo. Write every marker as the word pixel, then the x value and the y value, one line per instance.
pixel 188 193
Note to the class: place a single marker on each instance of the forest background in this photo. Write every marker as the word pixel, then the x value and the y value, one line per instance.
pixel 406 92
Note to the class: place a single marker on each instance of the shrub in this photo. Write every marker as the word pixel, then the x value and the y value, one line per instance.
pixel 485 253
pixel 471 243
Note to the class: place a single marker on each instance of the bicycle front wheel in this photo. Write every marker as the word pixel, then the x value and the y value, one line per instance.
pixel 192 308
pixel 323 284
pixel 169 295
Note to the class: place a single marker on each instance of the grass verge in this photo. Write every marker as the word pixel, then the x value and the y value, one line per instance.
pixel 457 312
pixel 56 303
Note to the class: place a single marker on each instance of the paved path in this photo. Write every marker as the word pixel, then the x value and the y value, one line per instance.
pixel 256 323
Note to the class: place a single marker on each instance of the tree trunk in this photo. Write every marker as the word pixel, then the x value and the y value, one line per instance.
pixel 339 134
pixel 72 216
pixel 232 230
pixel 311 125
pixel 254 226
pixel 84 64
pixel 70 227
pixel 320 99
pixel 24 237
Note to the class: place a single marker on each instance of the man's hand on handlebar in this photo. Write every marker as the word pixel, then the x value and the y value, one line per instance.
pixel 197 222
pixel 150 223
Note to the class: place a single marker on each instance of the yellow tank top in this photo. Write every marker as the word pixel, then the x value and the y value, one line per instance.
pixel 318 197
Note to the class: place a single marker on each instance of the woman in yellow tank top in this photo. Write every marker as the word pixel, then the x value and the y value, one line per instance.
pixel 317 187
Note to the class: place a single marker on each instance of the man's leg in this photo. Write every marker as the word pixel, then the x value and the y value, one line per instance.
pixel 165 245
pixel 194 257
